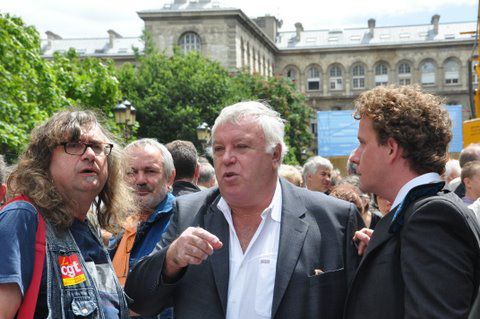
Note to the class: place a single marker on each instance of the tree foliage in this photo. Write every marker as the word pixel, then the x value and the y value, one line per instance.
pixel 173 95
pixel 28 93
pixel 88 82
pixel 32 88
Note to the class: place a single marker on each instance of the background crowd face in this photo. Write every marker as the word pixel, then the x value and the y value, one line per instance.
pixel 243 167
pixel 472 184
pixel 75 174
pixel 147 176
pixel 320 181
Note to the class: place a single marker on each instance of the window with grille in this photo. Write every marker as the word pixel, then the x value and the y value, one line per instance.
pixel 291 74
pixel 404 74
pixel 358 77
pixel 452 72
pixel 189 41
pixel 381 74
pixel 336 80
pixel 313 79
pixel 427 73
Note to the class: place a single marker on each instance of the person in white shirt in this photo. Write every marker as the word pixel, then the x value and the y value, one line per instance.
pixel 423 260
pixel 256 246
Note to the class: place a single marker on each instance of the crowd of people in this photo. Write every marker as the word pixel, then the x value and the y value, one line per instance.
pixel 93 230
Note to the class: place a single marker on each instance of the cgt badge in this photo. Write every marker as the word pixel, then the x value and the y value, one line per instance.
pixel 72 272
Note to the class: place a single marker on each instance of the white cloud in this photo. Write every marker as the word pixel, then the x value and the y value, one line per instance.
pixel 87 18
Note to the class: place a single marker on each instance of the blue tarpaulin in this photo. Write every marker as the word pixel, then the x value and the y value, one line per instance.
pixel 337 131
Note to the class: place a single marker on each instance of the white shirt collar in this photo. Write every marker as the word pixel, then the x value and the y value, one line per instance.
pixel 275 206
pixel 419 180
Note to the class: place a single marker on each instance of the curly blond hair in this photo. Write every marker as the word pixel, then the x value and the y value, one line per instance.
pixel 31 176
pixel 414 119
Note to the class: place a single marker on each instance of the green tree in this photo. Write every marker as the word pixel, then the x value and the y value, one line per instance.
pixel 173 95
pixel 88 82
pixel 32 89
pixel 28 94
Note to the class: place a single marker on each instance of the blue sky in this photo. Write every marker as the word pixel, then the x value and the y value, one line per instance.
pixel 92 18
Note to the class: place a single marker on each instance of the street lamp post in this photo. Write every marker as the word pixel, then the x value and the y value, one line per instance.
pixel 203 135
pixel 125 115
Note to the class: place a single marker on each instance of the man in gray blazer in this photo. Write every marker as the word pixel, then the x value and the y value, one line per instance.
pixel 256 246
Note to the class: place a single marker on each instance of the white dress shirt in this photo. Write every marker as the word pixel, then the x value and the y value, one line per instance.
pixel 252 274
pixel 419 180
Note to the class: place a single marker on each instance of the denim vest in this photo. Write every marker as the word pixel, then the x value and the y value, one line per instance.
pixel 73 296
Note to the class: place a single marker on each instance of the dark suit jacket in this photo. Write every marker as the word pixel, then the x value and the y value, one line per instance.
pixel 180 188
pixel 428 269
pixel 316 233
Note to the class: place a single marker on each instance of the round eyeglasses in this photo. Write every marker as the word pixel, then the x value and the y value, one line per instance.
pixel 79 148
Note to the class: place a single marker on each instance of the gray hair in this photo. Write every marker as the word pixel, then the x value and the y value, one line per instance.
pixel 261 113
pixel 452 168
pixel 313 164
pixel 167 160
pixel 207 172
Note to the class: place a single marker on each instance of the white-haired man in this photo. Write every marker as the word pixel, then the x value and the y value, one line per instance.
pixel 317 173
pixel 256 246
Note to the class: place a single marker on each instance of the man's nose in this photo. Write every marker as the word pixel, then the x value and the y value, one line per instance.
pixel 229 157
pixel 89 154
pixel 356 156
pixel 140 178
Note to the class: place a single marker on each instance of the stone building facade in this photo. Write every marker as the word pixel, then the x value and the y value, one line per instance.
pixel 224 35
pixel 332 67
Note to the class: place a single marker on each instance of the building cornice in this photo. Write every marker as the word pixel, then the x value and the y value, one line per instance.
pixel 392 46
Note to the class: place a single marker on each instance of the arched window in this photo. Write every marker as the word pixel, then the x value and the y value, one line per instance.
pixel 404 74
pixel 291 74
pixel 358 77
pixel 313 79
pixel 381 74
pixel 336 80
pixel 427 73
pixel 452 72
pixel 189 41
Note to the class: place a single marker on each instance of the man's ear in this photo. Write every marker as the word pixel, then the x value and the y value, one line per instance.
pixel 196 174
pixel 277 154
pixel 171 179
pixel 467 182
pixel 394 150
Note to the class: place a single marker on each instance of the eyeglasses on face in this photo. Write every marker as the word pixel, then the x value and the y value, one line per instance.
pixel 79 148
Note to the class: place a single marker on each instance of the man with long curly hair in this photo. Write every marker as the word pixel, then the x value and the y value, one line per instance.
pixel 70 165
pixel 423 258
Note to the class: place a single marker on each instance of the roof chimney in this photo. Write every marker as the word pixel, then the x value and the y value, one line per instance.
pixel 52 36
pixel 371 27
pixel 298 30
pixel 112 35
pixel 434 22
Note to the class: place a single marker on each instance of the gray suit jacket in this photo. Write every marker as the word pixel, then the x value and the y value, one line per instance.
pixel 316 233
